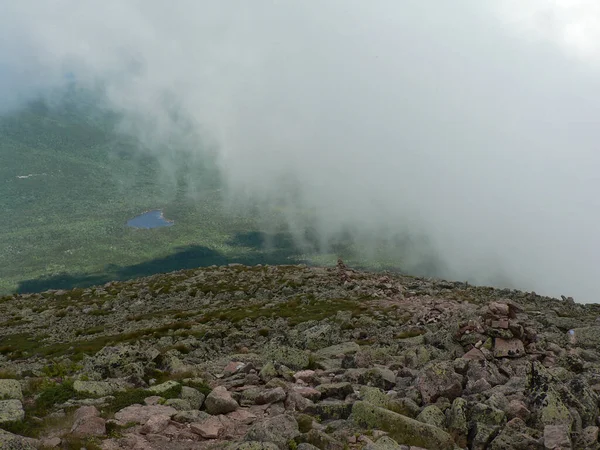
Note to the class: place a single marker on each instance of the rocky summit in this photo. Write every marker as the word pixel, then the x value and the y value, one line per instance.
pixel 296 357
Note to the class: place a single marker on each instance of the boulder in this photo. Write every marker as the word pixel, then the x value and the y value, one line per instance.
pixel 219 401
pixel 556 437
pixel 10 390
pixel 163 387
pixel 11 411
pixel 511 348
pixel 278 430
pixel 140 414
pixel 88 423
pixel 291 357
pixel 335 390
pixel 211 428
pixel 433 416
pixel 439 380
pixel 155 424
pixel 193 396
pixel 10 441
pixel 271 396
pixel 401 428
pixel 100 388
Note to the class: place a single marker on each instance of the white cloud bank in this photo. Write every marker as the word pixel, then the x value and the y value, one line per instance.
pixel 475 123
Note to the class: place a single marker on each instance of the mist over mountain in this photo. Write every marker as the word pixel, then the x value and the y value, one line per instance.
pixel 467 133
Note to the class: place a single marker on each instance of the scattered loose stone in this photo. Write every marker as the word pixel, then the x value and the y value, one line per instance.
pixel 297 357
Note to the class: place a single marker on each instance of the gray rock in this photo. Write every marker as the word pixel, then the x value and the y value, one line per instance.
pixel 383 443
pixel 268 372
pixel 517 436
pixel 330 410
pixel 179 404
pixel 439 380
pixel 278 430
pixel 88 423
pixel 11 411
pixel 587 337
pixel 10 390
pixel 219 401
pixel 379 377
pixel 482 413
pixel 557 437
pixel 306 446
pixel 337 351
pixel 321 439
pixel 163 387
pixel 401 428
pixel 335 390
pixel 254 446
pixel 481 435
pixel 193 396
pixel 292 357
pixel 271 396
pixel 433 416
pixel 456 419
pixel 190 416
pixel 100 388
pixel 9 441
pixel 588 438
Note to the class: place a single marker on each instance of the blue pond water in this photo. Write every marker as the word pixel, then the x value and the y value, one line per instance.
pixel 150 219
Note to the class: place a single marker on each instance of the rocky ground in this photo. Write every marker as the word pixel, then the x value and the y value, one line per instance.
pixel 300 358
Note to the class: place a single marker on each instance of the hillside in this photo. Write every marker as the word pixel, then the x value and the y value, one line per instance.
pixel 266 357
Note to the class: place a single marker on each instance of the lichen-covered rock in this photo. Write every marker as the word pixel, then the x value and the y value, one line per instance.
pixel 553 411
pixel 439 380
pixel 253 446
pixel 330 410
pixel 271 396
pixel 403 429
pixel 433 416
pixel 588 438
pixel 482 413
pixel 267 372
pixel 456 420
pixel 338 350
pixel 193 396
pixel 11 411
pixel 291 357
pixel 384 443
pixel 179 404
pixel 163 387
pixel 10 441
pixel 481 434
pixel 100 388
pixel 517 436
pixel 190 416
pixel 587 337
pixel 321 439
pixel 335 390
pixel 278 430
pixel 10 390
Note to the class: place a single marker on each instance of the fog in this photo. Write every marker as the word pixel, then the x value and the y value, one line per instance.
pixel 471 125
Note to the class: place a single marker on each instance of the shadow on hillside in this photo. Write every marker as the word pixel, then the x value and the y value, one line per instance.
pixel 184 258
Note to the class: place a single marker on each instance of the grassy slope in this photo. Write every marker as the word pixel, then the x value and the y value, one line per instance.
pixel 65 226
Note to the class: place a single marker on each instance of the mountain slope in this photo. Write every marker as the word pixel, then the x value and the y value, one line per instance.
pixel 334 357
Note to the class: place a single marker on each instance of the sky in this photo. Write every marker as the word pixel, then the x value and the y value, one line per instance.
pixel 474 124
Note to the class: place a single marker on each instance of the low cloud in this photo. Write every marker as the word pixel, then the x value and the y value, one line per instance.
pixel 470 129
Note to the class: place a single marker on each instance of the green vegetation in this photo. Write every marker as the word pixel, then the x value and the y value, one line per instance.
pixel 70 180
